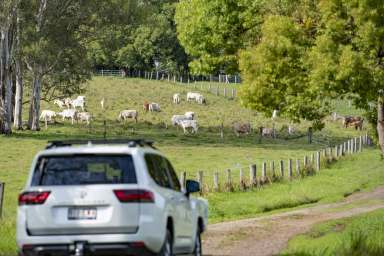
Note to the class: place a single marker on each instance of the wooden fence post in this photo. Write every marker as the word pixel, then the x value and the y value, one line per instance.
pixel 317 161
pixel 252 175
pixel 336 152
pixel 229 181
pixel 183 176
pixel 361 144
pixel 264 172
pixel 298 167
pixel 216 187
pixel 290 174
pixel 282 168
pixel 200 180
pixel 225 92
pixel 2 191
pixel 356 145
pixel 349 147
pixel 233 93
pixel 272 168
pixel 242 181
pixel 306 162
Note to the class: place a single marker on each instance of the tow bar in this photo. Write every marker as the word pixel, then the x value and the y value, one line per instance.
pixel 79 249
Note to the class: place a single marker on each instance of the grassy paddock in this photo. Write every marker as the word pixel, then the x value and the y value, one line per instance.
pixel 204 151
pixel 360 235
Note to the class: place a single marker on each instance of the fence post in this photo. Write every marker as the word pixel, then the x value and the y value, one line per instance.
pixel 282 168
pixel 356 145
pixel 272 166
pixel 200 180
pixel 306 162
pixel 183 176
pixel 216 187
pixel 290 169
pixel 317 161
pixel 360 144
pixel 242 182
pixel 252 175
pixel 229 181
pixel 233 93
pixel 264 172
pixel 2 186
pixel 217 91
pixel 225 92
pixel 336 152
pixel 298 167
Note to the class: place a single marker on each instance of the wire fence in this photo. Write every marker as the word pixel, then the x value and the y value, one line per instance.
pixel 176 77
pixel 242 178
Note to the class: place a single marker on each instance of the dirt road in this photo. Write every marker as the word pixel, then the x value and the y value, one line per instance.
pixel 269 235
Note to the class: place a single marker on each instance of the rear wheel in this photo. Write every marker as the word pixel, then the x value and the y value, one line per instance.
pixel 198 251
pixel 166 250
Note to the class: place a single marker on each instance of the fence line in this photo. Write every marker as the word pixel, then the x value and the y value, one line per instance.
pixel 164 75
pixel 309 165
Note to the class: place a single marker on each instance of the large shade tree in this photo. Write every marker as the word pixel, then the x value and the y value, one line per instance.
pixel 299 74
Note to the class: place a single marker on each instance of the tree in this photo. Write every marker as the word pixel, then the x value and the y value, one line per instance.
pixel 7 26
pixel 53 49
pixel 343 58
pixel 275 76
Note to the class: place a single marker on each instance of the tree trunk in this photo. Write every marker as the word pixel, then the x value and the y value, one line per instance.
pixel 380 122
pixel 6 87
pixel 18 119
pixel 18 114
pixel 34 108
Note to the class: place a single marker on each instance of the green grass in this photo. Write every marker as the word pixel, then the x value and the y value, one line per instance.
pixel 360 235
pixel 358 172
pixel 205 151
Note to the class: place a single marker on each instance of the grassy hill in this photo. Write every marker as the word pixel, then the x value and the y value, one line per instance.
pixel 203 151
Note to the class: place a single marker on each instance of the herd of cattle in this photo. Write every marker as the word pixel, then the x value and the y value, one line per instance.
pixel 74 110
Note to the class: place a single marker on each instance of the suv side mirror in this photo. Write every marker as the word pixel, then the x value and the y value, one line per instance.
pixel 192 187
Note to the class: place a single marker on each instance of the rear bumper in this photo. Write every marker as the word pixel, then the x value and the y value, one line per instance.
pixel 107 249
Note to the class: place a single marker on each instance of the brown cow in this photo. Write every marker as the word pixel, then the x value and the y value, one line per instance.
pixel 356 122
pixel 241 128
pixel 146 106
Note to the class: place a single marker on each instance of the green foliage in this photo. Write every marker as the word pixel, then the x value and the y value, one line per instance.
pixel 275 75
pixel 130 39
pixel 213 31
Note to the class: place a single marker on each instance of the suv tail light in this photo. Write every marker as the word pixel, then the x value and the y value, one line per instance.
pixel 134 196
pixel 33 197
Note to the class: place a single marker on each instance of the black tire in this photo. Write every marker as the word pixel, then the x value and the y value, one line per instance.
pixel 198 250
pixel 167 249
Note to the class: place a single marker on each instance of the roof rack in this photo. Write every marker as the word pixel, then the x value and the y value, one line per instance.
pixel 129 142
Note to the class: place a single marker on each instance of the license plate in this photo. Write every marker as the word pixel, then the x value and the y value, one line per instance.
pixel 82 213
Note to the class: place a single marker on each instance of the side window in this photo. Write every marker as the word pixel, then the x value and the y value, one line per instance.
pixel 158 170
pixel 174 178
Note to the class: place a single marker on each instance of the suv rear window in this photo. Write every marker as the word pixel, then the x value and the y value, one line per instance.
pixel 84 169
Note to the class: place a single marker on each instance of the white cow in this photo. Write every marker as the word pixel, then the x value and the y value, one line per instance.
pixel 193 96
pixel 68 114
pixel 176 98
pixel 68 102
pixel 84 117
pixel 201 100
pixel 154 107
pixel 59 103
pixel 189 124
pixel 78 102
pixel 190 115
pixel 47 115
pixel 177 118
pixel 125 114
pixel 267 132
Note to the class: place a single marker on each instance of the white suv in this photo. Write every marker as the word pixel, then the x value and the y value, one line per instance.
pixel 107 198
